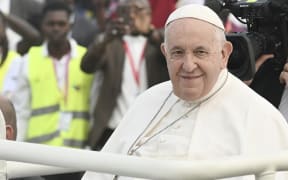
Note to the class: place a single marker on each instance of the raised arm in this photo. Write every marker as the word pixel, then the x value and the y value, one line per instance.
pixel 93 59
pixel 22 27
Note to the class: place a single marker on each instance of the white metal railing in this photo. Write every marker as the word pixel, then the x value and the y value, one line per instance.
pixel 20 169
pixel 263 167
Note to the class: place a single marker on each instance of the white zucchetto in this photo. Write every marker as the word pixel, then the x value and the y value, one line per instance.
pixel 196 11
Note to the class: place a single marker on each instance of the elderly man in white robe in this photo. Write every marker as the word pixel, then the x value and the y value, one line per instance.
pixel 204 112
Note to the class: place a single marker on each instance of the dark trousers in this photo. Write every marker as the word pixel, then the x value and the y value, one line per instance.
pixel 68 176
pixel 104 137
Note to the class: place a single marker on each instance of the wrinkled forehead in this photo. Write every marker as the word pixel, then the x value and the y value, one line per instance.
pixel 191 30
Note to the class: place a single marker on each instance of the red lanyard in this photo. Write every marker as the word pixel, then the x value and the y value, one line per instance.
pixel 65 91
pixel 136 74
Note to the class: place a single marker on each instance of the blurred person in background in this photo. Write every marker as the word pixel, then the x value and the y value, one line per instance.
pixel 52 95
pixel 160 11
pixel 87 19
pixel 129 57
pixel 9 58
pixel 24 10
pixel 6 56
pixel 270 79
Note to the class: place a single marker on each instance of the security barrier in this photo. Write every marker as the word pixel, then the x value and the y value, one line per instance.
pixel 264 167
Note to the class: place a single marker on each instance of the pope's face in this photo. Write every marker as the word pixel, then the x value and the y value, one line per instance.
pixel 196 53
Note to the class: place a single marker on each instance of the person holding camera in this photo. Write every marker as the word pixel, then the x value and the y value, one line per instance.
pixel 129 57
pixel 271 82
pixel 263 46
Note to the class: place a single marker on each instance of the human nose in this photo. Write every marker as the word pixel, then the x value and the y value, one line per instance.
pixel 189 63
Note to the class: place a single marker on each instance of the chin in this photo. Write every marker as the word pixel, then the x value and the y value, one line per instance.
pixel 188 95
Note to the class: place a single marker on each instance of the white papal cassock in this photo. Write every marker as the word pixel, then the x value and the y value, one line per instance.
pixel 231 120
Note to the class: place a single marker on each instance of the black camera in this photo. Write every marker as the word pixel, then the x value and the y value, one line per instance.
pixel 267 32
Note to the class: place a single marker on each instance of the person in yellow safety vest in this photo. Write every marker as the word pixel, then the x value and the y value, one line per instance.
pixel 52 88
pixel 9 58
pixel 5 65
pixel 52 98
pixel 53 93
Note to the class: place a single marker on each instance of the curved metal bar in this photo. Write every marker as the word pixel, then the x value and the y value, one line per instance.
pixel 138 167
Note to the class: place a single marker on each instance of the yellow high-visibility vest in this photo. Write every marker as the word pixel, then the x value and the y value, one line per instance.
pixel 5 66
pixel 48 102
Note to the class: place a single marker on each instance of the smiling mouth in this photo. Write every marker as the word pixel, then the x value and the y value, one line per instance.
pixel 191 76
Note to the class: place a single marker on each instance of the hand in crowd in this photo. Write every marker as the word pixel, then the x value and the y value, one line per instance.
pixel 118 27
pixel 263 58
pixel 284 74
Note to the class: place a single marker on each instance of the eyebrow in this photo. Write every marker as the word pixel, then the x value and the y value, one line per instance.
pixel 202 48
pixel 175 48
pixel 196 48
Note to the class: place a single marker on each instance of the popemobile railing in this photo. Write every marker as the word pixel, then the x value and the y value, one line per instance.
pixel 51 158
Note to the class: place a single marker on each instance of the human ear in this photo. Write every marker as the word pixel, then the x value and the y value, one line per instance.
pixel 163 50
pixel 10 133
pixel 226 52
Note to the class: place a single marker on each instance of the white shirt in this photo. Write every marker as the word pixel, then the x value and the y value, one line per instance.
pixel 234 121
pixel 10 79
pixel 129 88
pixel 22 96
